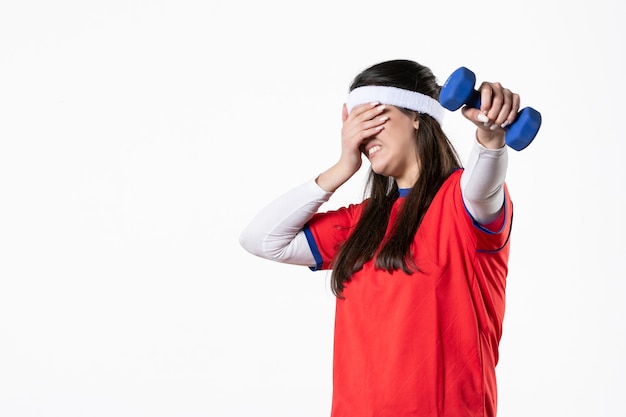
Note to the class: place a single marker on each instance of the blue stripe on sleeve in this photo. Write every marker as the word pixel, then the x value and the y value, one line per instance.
pixel 491 232
pixel 314 249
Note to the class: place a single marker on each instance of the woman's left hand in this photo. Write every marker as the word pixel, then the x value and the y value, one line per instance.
pixel 498 109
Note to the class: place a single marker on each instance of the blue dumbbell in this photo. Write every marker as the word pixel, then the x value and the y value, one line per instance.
pixel 458 90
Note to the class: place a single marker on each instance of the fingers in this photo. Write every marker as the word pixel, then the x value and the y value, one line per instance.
pixel 364 121
pixel 499 105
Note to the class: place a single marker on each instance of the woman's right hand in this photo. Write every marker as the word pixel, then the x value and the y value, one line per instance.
pixel 362 123
pixel 358 126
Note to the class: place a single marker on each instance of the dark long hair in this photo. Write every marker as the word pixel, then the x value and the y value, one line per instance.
pixel 437 160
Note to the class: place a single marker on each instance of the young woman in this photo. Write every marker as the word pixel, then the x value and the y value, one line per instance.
pixel 419 267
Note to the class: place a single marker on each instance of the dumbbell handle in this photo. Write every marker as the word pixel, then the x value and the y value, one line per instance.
pixel 458 90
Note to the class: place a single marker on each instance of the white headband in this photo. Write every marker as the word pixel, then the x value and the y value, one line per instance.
pixel 398 97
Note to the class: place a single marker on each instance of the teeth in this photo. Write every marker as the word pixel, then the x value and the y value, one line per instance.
pixel 373 149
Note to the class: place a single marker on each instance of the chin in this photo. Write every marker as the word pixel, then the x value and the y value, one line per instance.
pixel 380 172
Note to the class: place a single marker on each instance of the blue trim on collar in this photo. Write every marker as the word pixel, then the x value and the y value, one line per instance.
pixel 404 191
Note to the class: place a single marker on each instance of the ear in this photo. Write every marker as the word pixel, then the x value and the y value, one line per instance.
pixel 416 122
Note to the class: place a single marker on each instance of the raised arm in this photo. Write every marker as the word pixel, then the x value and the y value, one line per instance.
pixel 482 182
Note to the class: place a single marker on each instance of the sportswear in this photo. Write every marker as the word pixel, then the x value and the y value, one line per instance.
pixel 424 344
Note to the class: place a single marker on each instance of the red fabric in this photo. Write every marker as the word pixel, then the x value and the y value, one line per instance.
pixel 424 344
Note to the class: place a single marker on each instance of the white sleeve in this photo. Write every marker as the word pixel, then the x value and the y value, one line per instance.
pixel 275 233
pixel 482 182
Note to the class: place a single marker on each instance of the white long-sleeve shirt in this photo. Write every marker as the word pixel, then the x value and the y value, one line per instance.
pixel 275 233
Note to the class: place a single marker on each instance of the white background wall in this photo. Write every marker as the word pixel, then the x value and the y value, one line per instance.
pixel 137 138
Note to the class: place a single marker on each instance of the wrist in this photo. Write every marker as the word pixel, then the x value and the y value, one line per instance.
pixel 335 177
pixel 490 139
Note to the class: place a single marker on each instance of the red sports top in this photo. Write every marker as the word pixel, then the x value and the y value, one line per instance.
pixel 424 344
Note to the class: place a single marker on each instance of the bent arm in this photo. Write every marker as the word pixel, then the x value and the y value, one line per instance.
pixel 482 182
pixel 275 233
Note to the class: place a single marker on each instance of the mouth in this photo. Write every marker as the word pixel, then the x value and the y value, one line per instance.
pixel 372 150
